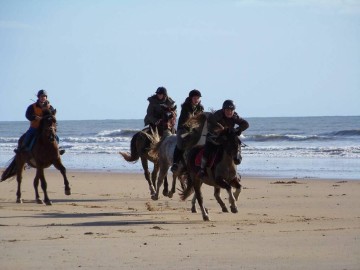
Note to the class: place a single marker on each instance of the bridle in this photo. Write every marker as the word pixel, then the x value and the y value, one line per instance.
pixel 49 127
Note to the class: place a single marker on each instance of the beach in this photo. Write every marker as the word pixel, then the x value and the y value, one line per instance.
pixel 110 222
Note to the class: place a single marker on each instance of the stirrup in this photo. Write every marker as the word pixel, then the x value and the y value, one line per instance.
pixel 174 167
pixel 202 173
pixel 20 150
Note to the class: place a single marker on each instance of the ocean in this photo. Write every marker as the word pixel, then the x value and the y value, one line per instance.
pixel 278 147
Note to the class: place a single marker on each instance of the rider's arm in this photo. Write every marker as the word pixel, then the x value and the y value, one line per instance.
pixel 150 113
pixel 243 124
pixel 30 114
pixel 214 126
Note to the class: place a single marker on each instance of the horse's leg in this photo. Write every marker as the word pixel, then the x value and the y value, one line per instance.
pixel 144 164
pixel 193 204
pixel 58 165
pixel 219 200
pixel 199 198
pixel 20 167
pixel 162 175
pixel 37 195
pixel 237 185
pixel 223 184
pixel 154 173
pixel 166 187
pixel 173 186
pixel 40 174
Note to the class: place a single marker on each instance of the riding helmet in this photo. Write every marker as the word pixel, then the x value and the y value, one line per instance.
pixel 41 93
pixel 229 104
pixel 161 90
pixel 194 93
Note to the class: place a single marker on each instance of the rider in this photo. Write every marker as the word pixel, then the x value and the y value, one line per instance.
pixel 159 104
pixel 34 114
pixel 218 121
pixel 191 106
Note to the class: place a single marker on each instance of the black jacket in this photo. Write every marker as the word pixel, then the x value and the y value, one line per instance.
pixel 188 110
pixel 155 110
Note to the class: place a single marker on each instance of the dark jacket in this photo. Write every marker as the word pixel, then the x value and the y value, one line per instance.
pixel 218 121
pixel 155 109
pixel 30 112
pixel 188 110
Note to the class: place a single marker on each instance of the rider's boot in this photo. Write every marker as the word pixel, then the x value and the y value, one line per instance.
pixel 176 159
pixel 202 171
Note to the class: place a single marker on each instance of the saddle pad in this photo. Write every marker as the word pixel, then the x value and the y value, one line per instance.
pixel 211 160
pixel 199 157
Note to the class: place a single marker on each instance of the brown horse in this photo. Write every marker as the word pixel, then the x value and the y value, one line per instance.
pixel 140 146
pixel 220 174
pixel 44 153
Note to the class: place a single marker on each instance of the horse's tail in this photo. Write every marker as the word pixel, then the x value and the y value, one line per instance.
pixel 184 194
pixel 10 171
pixel 133 156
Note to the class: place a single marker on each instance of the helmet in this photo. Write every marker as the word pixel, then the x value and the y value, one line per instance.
pixel 41 93
pixel 161 90
pixel 229 104
pixel 194 93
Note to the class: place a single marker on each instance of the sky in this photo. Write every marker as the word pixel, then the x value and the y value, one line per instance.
pixel 103 59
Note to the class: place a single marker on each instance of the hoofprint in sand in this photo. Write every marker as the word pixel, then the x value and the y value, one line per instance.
pixel 110 222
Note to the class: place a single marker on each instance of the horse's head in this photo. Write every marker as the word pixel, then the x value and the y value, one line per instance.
pixel 229 139
pixel 169 115
pixel 48 126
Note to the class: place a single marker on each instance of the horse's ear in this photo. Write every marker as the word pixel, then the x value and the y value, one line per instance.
pixel 174 108
pixel 53 112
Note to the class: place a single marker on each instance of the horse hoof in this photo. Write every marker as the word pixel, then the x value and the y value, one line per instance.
pixel 225 210
pixel 67 192
pixel 206 218
pixel 166 193
pixel 193 210
pixel 170 195
pixel 154 197
pixel 38 201
pixel 19 201
pixel 48 202
pixel 234 209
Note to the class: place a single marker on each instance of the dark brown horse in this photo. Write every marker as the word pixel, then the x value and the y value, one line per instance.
pixel 140 146
pixel 44 153
pixel 220 174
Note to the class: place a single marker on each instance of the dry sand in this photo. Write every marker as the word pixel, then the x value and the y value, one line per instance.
pixel 110 222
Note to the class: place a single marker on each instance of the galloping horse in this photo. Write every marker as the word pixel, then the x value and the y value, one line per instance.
pixel 44 153
pixel 140 146
pixel 163 150
pixel 221 174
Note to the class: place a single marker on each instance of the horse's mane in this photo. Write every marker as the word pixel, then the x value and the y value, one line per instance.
pixel 197 120
pixel 47 113
pixel 155 142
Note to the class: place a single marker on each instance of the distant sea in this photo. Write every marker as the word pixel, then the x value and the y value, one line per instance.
pixel 279 147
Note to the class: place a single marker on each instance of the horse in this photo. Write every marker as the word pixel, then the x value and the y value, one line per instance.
pixel 220 174
pixel 163 150
pixel 140 147
pixel 44 153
